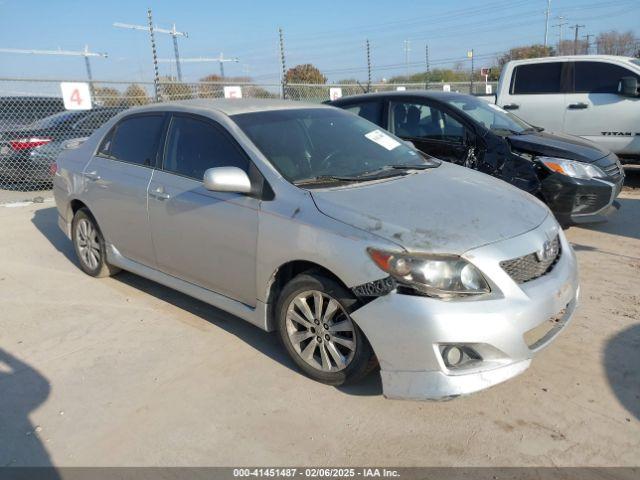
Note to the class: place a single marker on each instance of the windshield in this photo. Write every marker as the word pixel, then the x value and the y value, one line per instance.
pixel 491 116
pixel 316 143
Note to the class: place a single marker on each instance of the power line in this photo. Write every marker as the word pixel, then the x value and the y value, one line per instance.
pixel 219 59
pixel 173 32
pixel 576 28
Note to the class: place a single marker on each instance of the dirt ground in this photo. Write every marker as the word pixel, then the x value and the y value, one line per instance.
pixel 122 371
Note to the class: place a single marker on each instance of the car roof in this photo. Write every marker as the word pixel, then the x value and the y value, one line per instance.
pixel 431 94
pixel 229 106
pixel 571 58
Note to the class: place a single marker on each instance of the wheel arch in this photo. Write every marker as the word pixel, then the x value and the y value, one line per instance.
pixel 286 272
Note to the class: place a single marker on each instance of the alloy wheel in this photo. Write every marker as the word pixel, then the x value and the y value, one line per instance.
pixel 88 244
pixel 321 331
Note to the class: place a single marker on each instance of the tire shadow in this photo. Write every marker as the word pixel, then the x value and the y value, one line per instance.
pixel 621 361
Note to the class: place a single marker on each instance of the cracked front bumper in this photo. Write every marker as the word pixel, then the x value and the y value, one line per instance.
pixel 407 332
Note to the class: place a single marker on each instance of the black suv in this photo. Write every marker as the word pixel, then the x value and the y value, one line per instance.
pixel 577 179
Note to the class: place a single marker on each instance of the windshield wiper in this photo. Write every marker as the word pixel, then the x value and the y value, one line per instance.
pixel 422 166
pixel 325 179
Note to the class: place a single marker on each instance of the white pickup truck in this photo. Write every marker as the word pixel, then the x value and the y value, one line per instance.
pixel 592 96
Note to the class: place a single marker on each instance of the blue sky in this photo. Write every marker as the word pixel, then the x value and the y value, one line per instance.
pixel 330 34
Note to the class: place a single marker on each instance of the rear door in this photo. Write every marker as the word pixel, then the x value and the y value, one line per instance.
pixel 430 128
pixel 596 111
pixel 537 93
pixel 116 180
pixel 206 238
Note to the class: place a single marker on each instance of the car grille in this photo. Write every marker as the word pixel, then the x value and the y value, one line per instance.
pixel 529 267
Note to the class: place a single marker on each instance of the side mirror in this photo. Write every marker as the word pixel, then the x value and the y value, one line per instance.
pixel 227 179
pixel 628 87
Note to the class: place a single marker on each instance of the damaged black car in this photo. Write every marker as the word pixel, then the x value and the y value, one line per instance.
pixel 578 180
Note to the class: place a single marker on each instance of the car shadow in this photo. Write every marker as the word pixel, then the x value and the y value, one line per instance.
pixel 625 222
pixel 45 220
pixel 22 390
pixel 621 361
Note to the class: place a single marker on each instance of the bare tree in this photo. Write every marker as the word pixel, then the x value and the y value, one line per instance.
pixel 569 47
pixel 617 43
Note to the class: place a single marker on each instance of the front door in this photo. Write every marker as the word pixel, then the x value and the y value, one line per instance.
pixel 594 109
pixel 116 181
pixel 431 129
pixel 203 237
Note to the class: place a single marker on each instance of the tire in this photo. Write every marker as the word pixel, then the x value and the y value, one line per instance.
pixel 89 245
pixel 323 347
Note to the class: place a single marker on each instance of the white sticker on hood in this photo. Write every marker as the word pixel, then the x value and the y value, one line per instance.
pixel 382 139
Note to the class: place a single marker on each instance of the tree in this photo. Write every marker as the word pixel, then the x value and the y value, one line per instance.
pixel 106 96
pixel 568 47
pixel 617 43
pixel 171 89
pixel 135 95
pixel 527 51
pixel 306 73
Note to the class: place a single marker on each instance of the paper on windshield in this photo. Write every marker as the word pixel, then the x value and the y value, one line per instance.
pixel 382 139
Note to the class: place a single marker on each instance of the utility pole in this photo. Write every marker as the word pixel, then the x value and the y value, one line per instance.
pixel 65 53
pixel 470 56
pixel 426 57
pixel 220 59
pixel 407 49
pixel 546 22
pixel 154 52
pixel 368 66
pixel 576 29
pixel 588 37
pixel 173 32
pixel 560 25
pixel 283 79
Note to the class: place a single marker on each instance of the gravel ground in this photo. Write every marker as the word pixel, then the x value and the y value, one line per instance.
pixel 122 371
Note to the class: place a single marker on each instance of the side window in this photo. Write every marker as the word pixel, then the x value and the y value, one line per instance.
pixel 195 145
pixel 134 139
pixel 599 77
pixel 537 78
pixel 371 111
pixel 417 120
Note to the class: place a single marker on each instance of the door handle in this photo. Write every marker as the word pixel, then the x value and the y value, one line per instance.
pixel 511 106
pixel 578 106
pixel 93 176
pixel 159 194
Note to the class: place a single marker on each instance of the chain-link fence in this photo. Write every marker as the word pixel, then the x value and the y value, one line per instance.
pixel 35 127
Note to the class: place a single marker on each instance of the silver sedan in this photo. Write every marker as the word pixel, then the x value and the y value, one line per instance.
pixel 360 251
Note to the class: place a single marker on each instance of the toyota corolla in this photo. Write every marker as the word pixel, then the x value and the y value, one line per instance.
pixel 356 248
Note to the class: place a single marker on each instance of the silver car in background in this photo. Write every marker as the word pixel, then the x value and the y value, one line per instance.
pixel 308 220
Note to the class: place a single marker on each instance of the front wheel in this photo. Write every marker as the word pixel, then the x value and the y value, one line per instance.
pixel 318 333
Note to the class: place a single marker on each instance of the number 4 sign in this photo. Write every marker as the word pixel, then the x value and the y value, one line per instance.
pixel 76 95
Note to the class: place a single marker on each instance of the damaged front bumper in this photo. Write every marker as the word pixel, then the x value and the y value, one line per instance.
pixel 501 331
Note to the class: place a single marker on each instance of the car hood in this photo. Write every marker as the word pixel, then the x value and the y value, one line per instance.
pixel 558 145
pixel 449 209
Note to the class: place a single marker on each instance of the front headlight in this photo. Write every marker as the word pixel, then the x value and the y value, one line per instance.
pixel 437 275
pixel 571 168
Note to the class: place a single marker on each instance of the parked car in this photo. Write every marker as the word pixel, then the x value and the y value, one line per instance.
pixel 593 96
pixel 577 179
pixel 314 222
pixel 20 111
pixel 26 154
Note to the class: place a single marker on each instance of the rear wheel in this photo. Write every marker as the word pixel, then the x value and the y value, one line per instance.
pixel 318 333
pixel 89 245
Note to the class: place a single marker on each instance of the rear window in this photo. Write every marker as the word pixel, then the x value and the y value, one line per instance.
pixel 134 140
pixel 537 78
pixel 599 77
